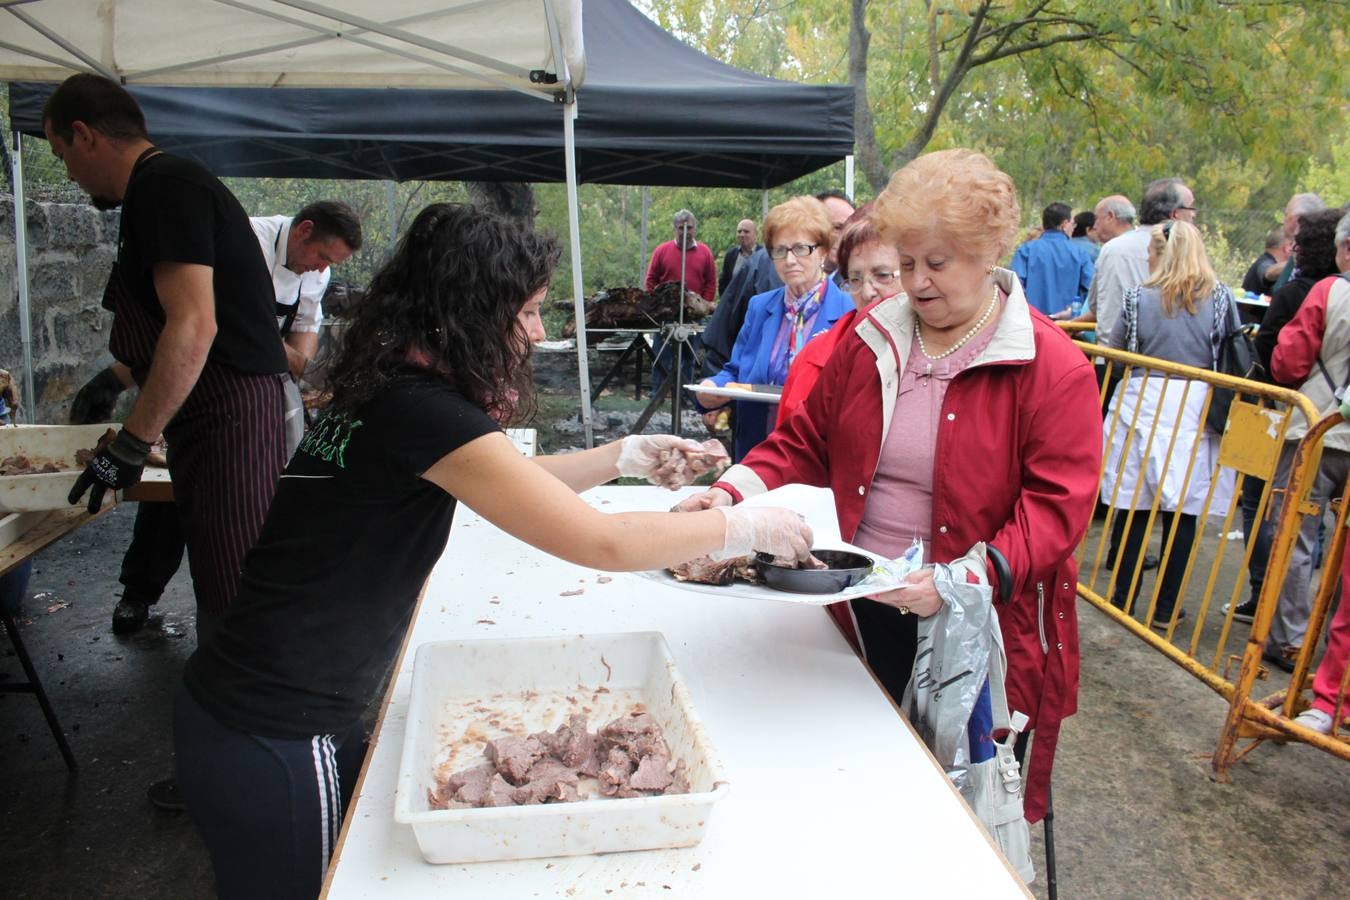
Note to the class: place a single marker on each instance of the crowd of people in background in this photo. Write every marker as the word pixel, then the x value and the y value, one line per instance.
pixel 1140 277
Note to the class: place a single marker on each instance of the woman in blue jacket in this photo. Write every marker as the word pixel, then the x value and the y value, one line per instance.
pixel 778 323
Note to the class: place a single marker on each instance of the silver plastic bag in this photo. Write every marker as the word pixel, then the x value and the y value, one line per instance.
pixel 960 650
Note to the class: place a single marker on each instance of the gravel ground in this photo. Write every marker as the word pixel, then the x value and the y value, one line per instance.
pixel 1137 811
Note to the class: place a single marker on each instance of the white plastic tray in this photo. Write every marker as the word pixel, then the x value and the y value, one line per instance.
pixel 461 688
pixel 46 443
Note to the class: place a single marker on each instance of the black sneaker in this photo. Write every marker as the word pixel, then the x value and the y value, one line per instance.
pixel 1244 612
pixel 129 615
pixel 164 795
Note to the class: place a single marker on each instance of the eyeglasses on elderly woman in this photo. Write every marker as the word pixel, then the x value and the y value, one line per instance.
pixel 881 279
pixel 801 251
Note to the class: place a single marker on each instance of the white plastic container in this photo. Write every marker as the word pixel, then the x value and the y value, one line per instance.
pixel 467 692
pixel 42 444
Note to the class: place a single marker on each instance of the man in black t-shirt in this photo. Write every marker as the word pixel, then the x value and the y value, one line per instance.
pixel 1262 274
pixel 193 318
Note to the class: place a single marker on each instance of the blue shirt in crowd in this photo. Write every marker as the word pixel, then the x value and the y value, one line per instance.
pixel 1055 271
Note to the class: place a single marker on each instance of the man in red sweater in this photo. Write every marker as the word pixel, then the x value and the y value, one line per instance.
pixel 700 272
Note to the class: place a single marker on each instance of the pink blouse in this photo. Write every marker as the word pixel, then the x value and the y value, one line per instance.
pixel 900 503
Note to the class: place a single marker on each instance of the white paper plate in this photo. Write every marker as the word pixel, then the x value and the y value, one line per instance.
pixel 816 506
pixel 735 394
pixel 873 584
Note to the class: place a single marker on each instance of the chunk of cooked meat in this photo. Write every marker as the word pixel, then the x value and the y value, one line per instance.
pixel 637 733
pixel 652 774
pixel 575 746
pixel 677 468
pixel 614 774
pixel 546 780
pixel 469 785
pixel 513 756
pixel 500 792
pixel 629 757
pixel 705 570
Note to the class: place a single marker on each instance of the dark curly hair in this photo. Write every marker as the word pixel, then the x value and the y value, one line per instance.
pixel 447 302
pixel 1315 245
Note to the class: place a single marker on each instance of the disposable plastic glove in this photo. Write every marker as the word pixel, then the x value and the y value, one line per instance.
pixel 766 529
pixel 669 461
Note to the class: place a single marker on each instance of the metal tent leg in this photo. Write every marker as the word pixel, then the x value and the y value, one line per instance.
pixel 34 686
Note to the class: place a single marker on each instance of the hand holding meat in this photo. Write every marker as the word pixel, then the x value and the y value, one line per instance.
pixel 669 461
pixel 918 595
pixel 706 500
pixel 116 465
pixel 765 529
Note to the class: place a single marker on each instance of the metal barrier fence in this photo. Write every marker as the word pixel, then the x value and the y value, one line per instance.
pixel 1161 468
pixel 1271 717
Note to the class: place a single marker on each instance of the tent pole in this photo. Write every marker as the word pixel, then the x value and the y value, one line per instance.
pixel 763 206
pixel 574 227
pixel 848 176
pixel 21 276
pixel 642 249
pixel 390 219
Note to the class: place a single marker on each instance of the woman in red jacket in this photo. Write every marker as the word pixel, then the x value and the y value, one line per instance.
pixel 955 413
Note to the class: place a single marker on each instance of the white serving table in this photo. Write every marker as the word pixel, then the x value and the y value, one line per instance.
pixel 832 794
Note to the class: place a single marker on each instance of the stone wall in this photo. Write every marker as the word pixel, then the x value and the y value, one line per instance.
pixel 70 252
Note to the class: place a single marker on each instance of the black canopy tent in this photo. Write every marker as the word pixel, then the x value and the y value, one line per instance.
pixel 654 112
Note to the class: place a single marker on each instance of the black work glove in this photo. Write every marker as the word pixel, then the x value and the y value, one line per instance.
pixel 95 401
pixel 117 466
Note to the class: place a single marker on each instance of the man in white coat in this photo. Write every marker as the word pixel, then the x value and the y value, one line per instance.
pixel 299 252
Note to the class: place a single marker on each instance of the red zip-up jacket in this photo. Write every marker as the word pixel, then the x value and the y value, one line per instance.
pixel 1017 464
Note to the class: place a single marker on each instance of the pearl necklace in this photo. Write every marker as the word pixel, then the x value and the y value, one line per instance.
pixel 965 338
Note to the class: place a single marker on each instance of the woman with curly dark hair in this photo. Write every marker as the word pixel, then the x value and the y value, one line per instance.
pixel 1314 259
pixel 267 725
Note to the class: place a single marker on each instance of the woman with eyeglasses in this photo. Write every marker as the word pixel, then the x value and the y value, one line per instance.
pixel 779 323
pixel 955 413
pixel 872 273
pixel 1155 426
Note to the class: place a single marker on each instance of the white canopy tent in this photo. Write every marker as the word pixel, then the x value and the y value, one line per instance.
pixel 530 46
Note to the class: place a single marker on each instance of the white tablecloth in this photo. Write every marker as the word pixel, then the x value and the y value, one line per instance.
pixel 832 795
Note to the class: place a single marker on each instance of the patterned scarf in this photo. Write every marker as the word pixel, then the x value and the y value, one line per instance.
pixel 799 317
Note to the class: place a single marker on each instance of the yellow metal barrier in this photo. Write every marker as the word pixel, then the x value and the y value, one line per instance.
pixel 1073 327
pixel 1154 474
pixel 1271 717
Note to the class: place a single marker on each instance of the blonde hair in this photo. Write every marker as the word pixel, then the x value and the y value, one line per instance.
pixel 805 213
pixel 1183 273
pixel 957 194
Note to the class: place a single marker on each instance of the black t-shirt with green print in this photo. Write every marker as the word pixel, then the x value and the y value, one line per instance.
pixel 327 591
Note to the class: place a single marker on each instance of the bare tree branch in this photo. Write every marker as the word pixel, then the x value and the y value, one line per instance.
pixel 1019 49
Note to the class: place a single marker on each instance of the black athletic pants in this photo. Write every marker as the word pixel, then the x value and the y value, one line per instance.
pixel 269 809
